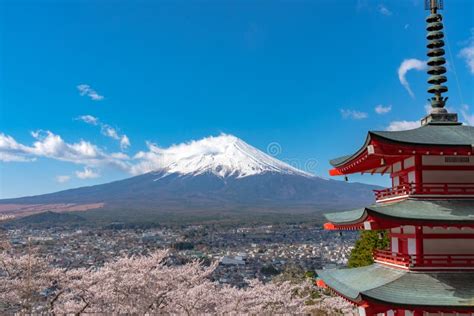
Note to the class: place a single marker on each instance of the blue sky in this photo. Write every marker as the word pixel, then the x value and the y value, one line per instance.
pixel 308 75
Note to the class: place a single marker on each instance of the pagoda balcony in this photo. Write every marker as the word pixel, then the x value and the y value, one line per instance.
pixel 426 261
pixel 428 189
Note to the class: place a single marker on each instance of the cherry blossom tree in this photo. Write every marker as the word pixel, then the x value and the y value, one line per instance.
pixel 22 280
pixel 140 285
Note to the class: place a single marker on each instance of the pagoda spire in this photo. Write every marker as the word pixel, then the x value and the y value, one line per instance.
pixel 436 59
pixel 436 62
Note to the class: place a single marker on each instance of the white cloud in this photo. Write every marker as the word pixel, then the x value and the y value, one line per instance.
pixel 353 114
pixel 87 173
pixel 124 142
pixel 380 109
pixel 11 150
pixel 89 119
pixel 62 179
pixel 407 65
pixel 468 53
pixel 120 156
pixel 111 132
pixel 50 145
pixel 467 116
pixel 403 125
pixel 384 10
pixel 9 157
pixel 107 130
pixel 86 90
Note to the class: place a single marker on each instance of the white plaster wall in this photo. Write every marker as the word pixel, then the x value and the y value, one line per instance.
pixel 397 166
pixel 394 244
pixel 449 230
pixel 395 230
pixel 411 246
pixel 448 246
pixel 409 162
pixel 452 176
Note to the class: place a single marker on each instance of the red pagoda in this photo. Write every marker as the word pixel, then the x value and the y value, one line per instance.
pixel 428 212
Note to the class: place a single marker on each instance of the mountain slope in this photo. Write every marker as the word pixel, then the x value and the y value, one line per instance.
pixel 218 174
pixel 267 188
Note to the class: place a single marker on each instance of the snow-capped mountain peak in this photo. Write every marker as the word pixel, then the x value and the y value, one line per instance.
pixel 224 156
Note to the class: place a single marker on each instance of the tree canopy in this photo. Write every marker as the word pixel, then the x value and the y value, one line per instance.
pixel 369 240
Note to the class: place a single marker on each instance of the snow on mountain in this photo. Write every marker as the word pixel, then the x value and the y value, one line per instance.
pixel 223 156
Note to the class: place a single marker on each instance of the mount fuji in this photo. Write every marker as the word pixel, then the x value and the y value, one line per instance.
pixel 213 176
pixel 225 156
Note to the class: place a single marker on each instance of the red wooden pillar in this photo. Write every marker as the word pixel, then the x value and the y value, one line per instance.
pixel 419 244
pixel 400 312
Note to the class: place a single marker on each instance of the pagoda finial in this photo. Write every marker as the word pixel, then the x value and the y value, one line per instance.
pixel 434 5
pixel 436 62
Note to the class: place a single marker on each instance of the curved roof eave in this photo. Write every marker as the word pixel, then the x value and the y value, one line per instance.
pixel 436 211
pixel 348 217
pixel 353 282
pixel 430 289
pixel 453 135
pixel 401 287
pixel 337 162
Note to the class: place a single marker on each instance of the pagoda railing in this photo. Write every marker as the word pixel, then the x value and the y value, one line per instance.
pixel 426 261
pixel 399 190
pixel 425 189
pixel 392 257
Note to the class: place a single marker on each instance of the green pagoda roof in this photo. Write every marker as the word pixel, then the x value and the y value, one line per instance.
pixel 401 287
pixel 432 134
pixel 452 211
